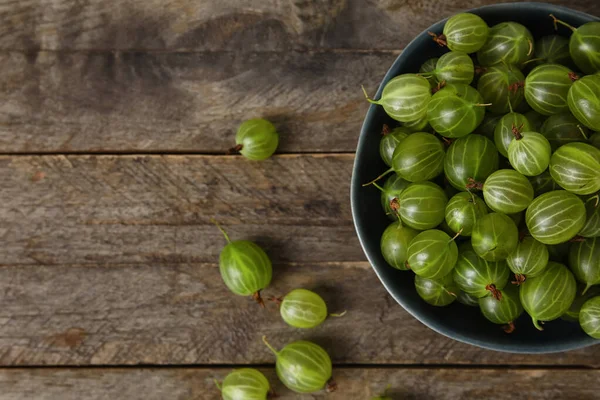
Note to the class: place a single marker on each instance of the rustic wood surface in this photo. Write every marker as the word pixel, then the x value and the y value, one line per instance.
pixel 353 384
pixel 226 24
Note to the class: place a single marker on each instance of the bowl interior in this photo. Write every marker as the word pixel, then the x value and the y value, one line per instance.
pixel 457 321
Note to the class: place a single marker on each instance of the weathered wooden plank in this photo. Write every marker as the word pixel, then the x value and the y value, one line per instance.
pixel 225 24
pixel 156 313
pixel 90 209
pixel 353 384
pixel 191 102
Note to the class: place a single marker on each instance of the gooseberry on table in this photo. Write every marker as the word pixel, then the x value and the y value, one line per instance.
pixel 303 308
pixel 244 384
pixel 256 139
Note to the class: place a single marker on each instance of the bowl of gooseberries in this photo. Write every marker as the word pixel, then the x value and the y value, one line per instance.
pixel 476 183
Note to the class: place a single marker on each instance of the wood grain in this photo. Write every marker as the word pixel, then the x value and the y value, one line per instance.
pixel 226 24
pixel 190 102
pixel 127 209
pixel 353 384
pixel 181 314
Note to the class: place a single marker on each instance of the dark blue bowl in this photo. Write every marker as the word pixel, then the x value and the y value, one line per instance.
pixel 457 321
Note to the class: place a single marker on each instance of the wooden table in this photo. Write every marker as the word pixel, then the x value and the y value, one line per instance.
pixel 114 116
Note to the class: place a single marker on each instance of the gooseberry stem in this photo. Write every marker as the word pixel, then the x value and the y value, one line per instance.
pixel 377 186
pixel 379 177
pixel 519 279
pixel 264 339
pixel 258 299
pixel 482 105
pixel 516 131
pixel 537 324
pixel 495 292
pixel 577 239
pixel 214 221
pixel 595 197
pixel 438 87
pixel 533 60
pixel 530 47
pixel 582 131
pixel 558 21
pixel 236 149
pixel 509 328
pixel 439 39
pixel 331 386
pixel 385 130
pixel 367 96
pixel 586 289
pixel 218 385
pixel 338 315
pixel 473 184
pixel 456 236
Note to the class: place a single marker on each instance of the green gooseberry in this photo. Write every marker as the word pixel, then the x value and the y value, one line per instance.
pixel 471 157
pixel 455 67
pixel 245 267
pixel 419 157
pixel 553 49
pixel 456 110
pixel 503 311
pixel 563 128
pixel 427 71
pixel 302 308
pixel 464 32
pixel 494 237
pixel 404 97
pixel 584 101
pixel 528 260
pixel 244 384
pixel 592 221
pixel 478 277
pixel 508 43
pixel 536 120
pixel 584 260
pixel 584 45
pixel 462 212
pixel 256 139
pixel 529 153
pixel 547 87
pixel 303 367
pixel 502 87
pixel 589 317
pixel 595 140
pixel 543 183
pixel 466 298
pixel 422 205
pixel 504 133
pixel 389 141
pixel 488 126
pixel 572 313
pixel 392 188
pixel 432 254
pixel 394 244
pixel 576 168
pixel 555 217
pixel 506 191
pixel 549 295
pixel 559 252
pixel 437 292
pixel 419 125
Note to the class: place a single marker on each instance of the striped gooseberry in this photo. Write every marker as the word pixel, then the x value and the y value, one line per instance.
pixel 303 367
pixel 418 125
pixel 432 254
pixel 563 128
pixel 576 168
pixel 462 212
pixel 503 311
pixel 552 49
pixel 389 141
pixel 584 260
pixel 466 298
pixel 394 244
pixel 427 70
pixel 543 183
pixel 529 153
pixel 464 32
pixel 456 110
pixel 589 317
pixel 244 384
pixel 508 43
pixel 502 87
pixel 528 259
pixel 547 87
pixel 506 191
pixel 392 188
pixel 504 131
pixel 584 101
pixel 256 139
pixel 555 217
pixel 245 267
pixel 303 308
pixel 592 221
pixel 572 314
pixel 437 292
pixel 419 157
pixel 478 277
pixel 549 295
pixel 405 97
pixel 584 45
pixel 494 237
pixel 455 67
pixel 422 205
pixel 470 157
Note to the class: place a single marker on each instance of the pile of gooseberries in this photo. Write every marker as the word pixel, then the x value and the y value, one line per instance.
pixel 494 192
